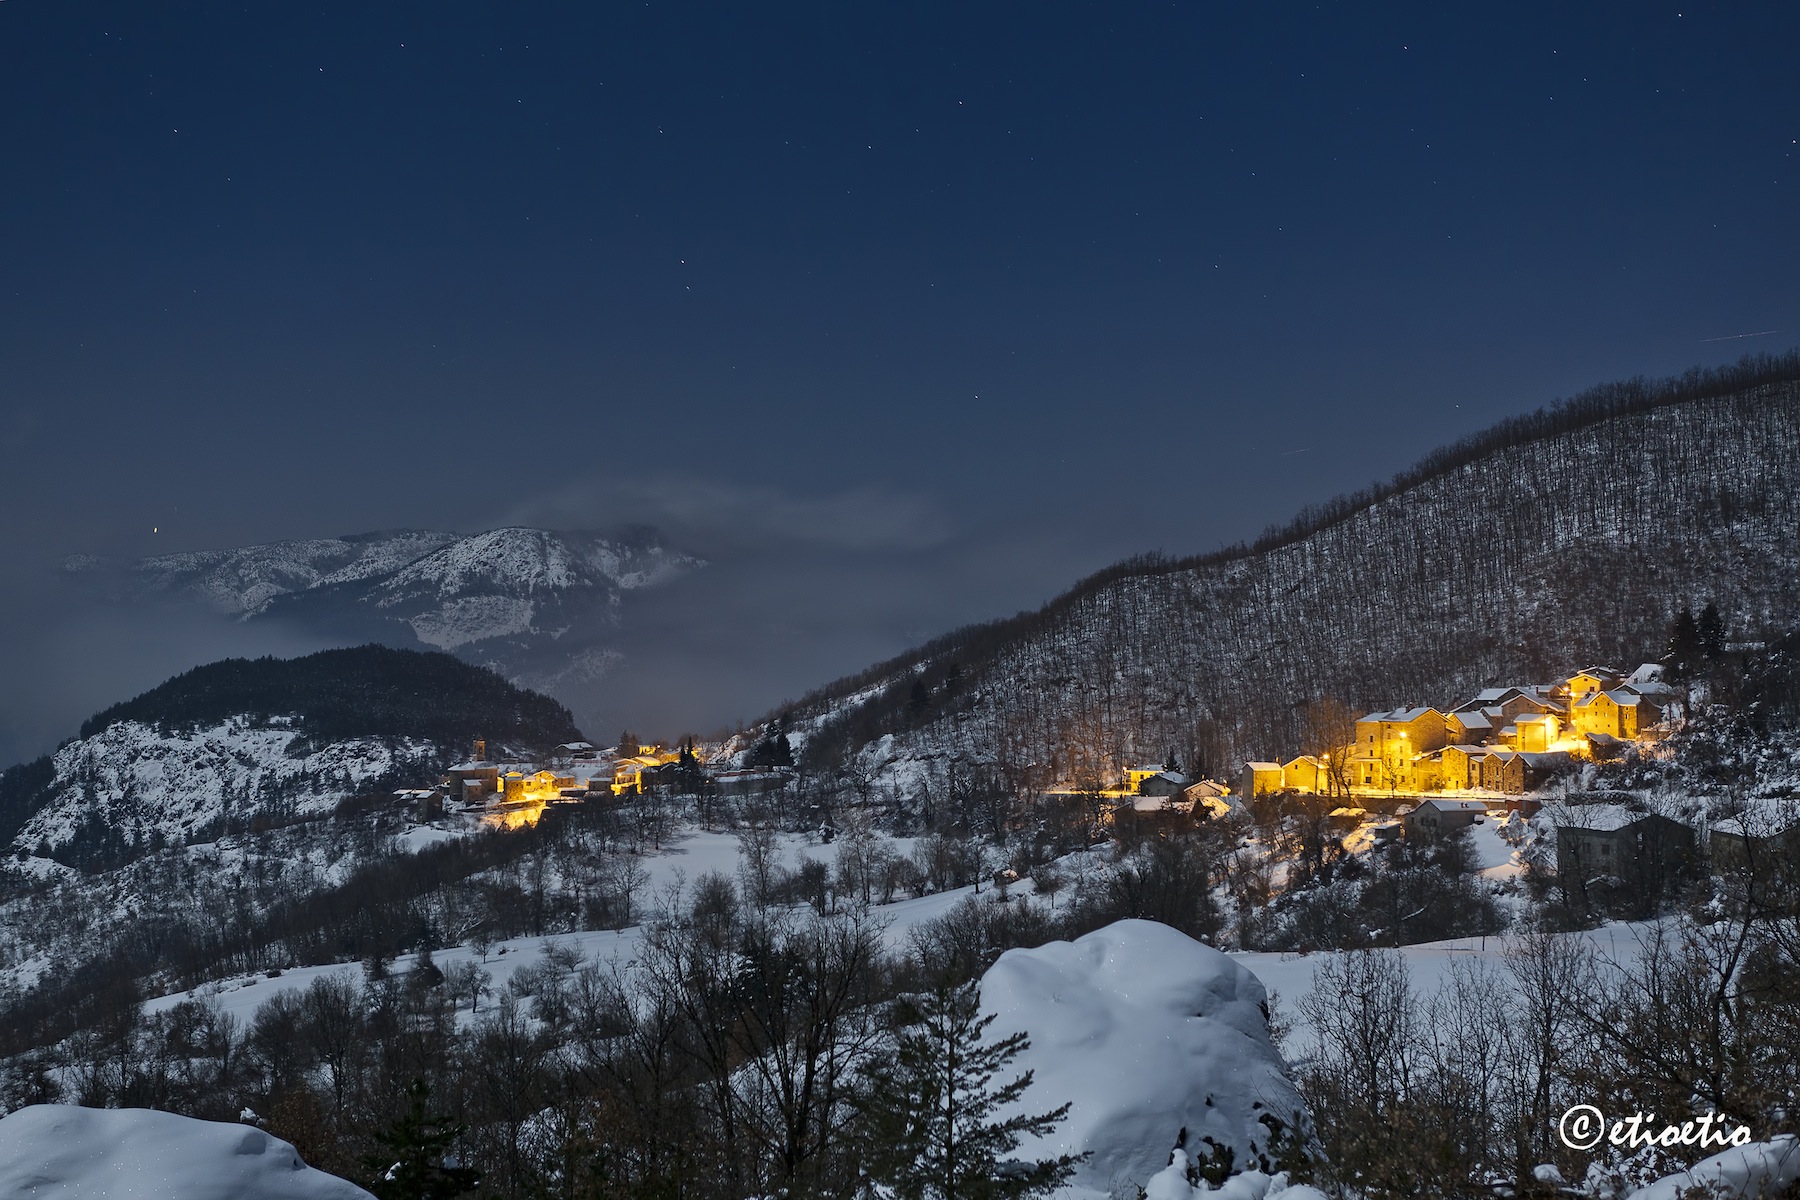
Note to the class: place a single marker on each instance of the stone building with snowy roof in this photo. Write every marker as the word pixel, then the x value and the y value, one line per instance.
pixel 1617 859
pixel 1432 818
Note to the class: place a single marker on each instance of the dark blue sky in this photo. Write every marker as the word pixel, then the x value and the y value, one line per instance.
pixel 967 300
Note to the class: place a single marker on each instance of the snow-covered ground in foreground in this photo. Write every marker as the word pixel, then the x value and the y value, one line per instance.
pixel 1146 1033
pixel 60 1152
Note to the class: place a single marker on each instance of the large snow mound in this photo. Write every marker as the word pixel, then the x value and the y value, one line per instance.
pixel 1145 1033
pixel 60 1152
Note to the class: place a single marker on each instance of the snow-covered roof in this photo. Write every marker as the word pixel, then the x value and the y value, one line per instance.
pixel 1622 697
pixel 1473 720
pixel 1453 805
pixel 1546 758
pixel 1603 818
pixel 1764 817
pixel 1263 766
pixel 1647 673
pixel 576 746
pixel 1409 714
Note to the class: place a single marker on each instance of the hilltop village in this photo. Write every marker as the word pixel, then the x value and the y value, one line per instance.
pixel 1500 746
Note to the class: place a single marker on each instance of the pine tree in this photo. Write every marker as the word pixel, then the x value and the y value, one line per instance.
pixel 931 1110
pixel 1710 632
pixel 1683 655
pixel 410 1165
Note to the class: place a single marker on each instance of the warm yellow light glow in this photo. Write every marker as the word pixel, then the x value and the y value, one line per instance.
pixel 519 816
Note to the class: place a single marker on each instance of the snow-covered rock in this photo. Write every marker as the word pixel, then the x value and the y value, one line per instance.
pixel 60 1152
pixel 1146 1033
pixel 1172 1183
pixel 1759 1169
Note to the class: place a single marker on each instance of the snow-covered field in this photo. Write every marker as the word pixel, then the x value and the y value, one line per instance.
pixel 676 866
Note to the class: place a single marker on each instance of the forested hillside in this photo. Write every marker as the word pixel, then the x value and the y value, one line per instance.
pixel 243 741
pixel 1568 536
pixel 359 692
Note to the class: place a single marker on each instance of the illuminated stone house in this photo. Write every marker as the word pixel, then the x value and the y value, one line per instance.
pixel 1469 728
pixel 1306 773
pixel 1535 732
pixel 521 786
pixel 1389 743
pixel 1462 766
pixel 1516 772
pixel 1592 679
pixel 1261 779
pixel 1619 713
pixel 471 781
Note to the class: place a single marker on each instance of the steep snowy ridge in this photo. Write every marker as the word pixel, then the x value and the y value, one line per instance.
pixel 532 560
pixel 148 787
pixel 496 584
pixel 244 581
pixel 544 608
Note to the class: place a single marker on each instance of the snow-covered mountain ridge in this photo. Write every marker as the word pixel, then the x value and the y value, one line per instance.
pixel 449 589
pixel 546 609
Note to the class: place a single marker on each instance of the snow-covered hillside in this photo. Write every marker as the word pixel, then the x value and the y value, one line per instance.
pixel 1571 547
pixel 149 787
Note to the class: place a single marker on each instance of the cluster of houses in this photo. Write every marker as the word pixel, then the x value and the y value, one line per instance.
pixel 1510 740
pixel 510 795
pixel 514 794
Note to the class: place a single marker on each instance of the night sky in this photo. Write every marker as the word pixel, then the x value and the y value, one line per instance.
pixel 902 316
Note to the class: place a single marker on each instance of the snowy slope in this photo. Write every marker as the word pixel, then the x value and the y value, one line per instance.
pixel 60 1152
pixel 145 784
